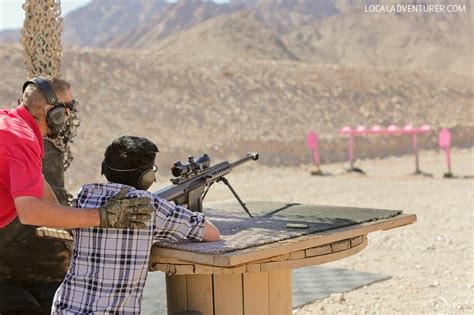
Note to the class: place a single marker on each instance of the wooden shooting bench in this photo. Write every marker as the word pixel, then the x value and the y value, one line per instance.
pixel 249 270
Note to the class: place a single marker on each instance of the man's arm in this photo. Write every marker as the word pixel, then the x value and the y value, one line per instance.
pixel 117 212
pixel 35 211
pixel 48 193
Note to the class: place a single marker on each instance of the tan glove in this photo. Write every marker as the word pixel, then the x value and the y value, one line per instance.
pixel 118 212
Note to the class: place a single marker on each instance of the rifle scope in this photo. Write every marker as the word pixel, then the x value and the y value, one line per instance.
pixel 193 166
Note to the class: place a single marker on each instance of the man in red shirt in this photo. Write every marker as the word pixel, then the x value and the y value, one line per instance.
pixel 27 199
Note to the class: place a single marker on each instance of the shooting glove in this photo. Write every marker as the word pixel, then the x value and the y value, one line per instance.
pixel 118 212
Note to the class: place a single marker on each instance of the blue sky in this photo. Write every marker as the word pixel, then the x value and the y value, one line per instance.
pixel 12 15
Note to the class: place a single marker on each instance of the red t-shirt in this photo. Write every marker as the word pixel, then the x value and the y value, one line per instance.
pixel 21 155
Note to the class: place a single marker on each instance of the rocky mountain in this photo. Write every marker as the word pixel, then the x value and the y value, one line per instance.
pixel 341 32
pixel 217 38
pixel 99 20
pixel 324 31
pixel 103 19
pixel 177 17
pixel 284 15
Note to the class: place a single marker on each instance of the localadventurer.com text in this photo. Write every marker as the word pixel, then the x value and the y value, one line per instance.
pixel 415 8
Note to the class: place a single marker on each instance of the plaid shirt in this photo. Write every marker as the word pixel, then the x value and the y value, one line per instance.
pixel 109 266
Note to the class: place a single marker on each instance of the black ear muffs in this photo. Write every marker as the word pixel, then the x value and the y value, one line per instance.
pixel 56 116
pixel 45 88
pixel 143 182
pixel 146 179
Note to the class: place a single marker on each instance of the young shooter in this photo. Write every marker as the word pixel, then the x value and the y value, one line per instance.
pixel 109 266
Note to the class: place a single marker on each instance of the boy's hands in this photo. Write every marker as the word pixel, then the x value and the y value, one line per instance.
pixel 118 212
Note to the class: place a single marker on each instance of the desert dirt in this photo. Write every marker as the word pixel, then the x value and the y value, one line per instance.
pixel 430 262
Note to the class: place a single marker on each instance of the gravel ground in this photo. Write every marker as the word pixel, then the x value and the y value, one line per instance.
pixel 431 261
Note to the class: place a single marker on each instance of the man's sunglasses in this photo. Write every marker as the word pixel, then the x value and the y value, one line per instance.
pixel 72 105
pixel 59 114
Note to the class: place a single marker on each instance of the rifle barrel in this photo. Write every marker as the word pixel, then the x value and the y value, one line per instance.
pixel 248 157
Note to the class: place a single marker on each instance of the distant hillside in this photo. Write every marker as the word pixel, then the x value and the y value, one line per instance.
pixel 177 17
pixel 219 38
pixel 102 19
pixel 285 15
pixel 341 32
pixel 324 32
pixel 227 107
pixel 99 20
pixel 10 36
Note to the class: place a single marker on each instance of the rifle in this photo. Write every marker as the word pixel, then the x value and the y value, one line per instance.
pixel 192 181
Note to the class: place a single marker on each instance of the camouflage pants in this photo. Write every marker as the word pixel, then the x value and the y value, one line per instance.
pixel 26 259
pixel 37 265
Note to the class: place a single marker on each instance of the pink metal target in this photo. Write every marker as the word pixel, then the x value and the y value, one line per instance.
pixel 444 141
pixel 312 143
pixel 390 130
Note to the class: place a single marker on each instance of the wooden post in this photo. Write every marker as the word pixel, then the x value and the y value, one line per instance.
pixel 280 291
pixel 415 152
pixel 200 293
pixel 228 294
pixel 240 294
pixel 448 160
pixel 256 293
pixel 176 293
pixel 351 152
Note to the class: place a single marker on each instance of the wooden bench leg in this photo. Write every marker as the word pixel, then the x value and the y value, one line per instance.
pixel 261 293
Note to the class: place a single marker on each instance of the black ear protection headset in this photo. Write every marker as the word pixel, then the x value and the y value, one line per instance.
pixel 146 178
pixel 58 115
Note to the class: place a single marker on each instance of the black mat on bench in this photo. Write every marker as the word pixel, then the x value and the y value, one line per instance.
pixel 239 231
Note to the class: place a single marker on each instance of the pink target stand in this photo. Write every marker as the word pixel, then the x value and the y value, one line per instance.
pixel 444 141
pixel 312 143
pixel 378 130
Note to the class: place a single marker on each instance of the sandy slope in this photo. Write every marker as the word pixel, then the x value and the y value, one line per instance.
pixel 431 262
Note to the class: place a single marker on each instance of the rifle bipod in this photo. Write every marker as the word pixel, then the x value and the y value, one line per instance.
pixel 225 181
